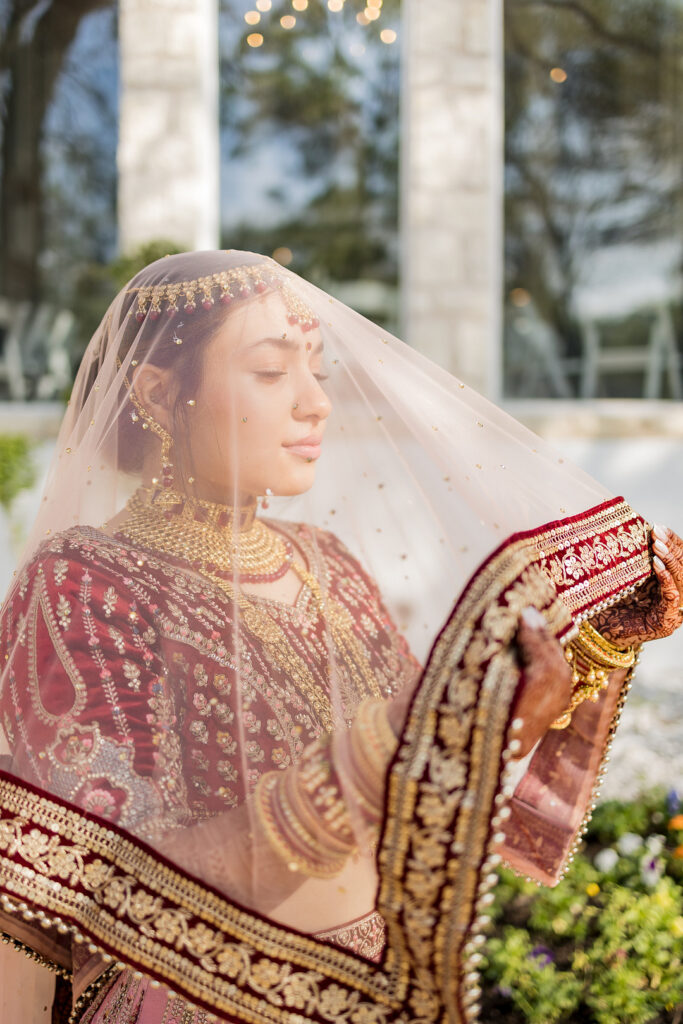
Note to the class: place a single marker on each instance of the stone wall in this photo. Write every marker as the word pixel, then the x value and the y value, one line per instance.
pixel 452 124
pixel 168 158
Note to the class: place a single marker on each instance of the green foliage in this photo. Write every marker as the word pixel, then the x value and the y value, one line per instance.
pixel 98 283
pixel 606 945
pixel 122 269
pixel 16 469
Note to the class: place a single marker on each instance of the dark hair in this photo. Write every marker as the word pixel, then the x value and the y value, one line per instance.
pixel 177 342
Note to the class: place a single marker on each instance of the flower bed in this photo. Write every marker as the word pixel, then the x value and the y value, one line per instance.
pixel 606 945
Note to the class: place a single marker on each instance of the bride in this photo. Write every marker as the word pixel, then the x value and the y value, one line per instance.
pixel 293 608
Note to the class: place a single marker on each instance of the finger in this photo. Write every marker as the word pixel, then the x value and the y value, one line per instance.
pixel 665 540
pixel 675 545
pixel 532 634
pixel 661 532
pixel 669 590
pixel 671 559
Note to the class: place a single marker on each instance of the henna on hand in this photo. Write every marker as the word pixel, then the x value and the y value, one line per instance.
pixel 669 546
pixel 654 609
pixel 546 685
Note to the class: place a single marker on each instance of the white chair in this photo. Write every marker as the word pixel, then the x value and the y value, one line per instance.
pixel 14 316
pixel 657 358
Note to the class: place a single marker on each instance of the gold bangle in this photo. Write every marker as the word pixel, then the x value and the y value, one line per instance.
pixel 592 658
pixel 601 651
pixel 289 837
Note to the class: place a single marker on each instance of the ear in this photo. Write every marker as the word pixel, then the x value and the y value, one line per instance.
pixel 153 388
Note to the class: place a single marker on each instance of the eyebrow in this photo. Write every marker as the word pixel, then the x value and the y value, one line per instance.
pixel 285 343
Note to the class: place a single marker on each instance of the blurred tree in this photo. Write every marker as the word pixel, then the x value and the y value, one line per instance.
pixel 592 145
pixel 36 36
pixel 324 100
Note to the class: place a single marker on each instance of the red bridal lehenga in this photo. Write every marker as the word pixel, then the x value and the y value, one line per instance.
pixel 205 811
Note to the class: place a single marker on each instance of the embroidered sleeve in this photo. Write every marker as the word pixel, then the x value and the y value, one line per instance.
pixel 393 662
pixel 85 703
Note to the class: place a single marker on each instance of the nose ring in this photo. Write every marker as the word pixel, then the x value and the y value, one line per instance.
pixel 295 406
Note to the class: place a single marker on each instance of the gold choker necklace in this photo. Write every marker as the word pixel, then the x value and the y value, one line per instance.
pixel 217 540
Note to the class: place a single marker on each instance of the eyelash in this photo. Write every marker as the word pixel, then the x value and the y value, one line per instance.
pixel 274 374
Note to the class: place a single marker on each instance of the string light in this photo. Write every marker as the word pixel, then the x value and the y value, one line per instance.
pixel 520 297
pixel 371 12
pixel 283 255
pixel 558 75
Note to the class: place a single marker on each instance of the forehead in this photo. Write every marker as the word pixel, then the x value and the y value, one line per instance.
pixel 261 316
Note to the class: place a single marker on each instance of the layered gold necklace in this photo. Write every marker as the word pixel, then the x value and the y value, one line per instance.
pixel 230 546
pixel 217 540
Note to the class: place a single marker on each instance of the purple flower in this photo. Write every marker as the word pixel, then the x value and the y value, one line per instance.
pixel 542 955
pixel 673 801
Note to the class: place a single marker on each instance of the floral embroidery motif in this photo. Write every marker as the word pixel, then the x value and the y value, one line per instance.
pixel 579 556
pixel 109 601
pixel 118 639
pixel 59 571
pixel 63 612
pixel 132 674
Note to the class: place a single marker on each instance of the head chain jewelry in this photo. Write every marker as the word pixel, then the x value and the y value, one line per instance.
pixel 224 286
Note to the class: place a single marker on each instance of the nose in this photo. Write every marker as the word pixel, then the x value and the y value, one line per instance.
pixel 313 402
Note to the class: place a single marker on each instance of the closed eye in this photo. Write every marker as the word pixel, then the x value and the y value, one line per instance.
pixel 270 374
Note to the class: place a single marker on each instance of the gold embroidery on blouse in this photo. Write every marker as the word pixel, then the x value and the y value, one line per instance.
pixel 40 606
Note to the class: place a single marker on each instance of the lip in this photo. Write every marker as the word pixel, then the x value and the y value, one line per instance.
pixel 307 447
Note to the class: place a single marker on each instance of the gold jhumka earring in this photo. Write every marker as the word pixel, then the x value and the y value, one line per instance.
pixel 149 423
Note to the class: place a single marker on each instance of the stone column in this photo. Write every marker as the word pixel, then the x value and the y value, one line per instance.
pixel 451 186
pixel 168 159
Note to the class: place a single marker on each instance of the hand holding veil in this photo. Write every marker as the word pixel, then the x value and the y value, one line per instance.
pixel 264 516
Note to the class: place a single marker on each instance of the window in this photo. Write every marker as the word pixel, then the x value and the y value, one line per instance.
pixel 593 199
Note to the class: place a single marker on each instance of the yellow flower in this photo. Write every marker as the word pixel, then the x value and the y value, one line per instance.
pixel 677 927
pixel 677 822
pixel 663 898
pixel 592 889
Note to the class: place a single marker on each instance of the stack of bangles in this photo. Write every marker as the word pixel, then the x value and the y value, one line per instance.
pixel 592 658
pixel 303 811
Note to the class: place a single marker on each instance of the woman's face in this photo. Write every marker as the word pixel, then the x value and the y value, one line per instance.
pixel 259 417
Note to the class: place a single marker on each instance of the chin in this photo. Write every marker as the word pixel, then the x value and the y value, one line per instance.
pixel 295 483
